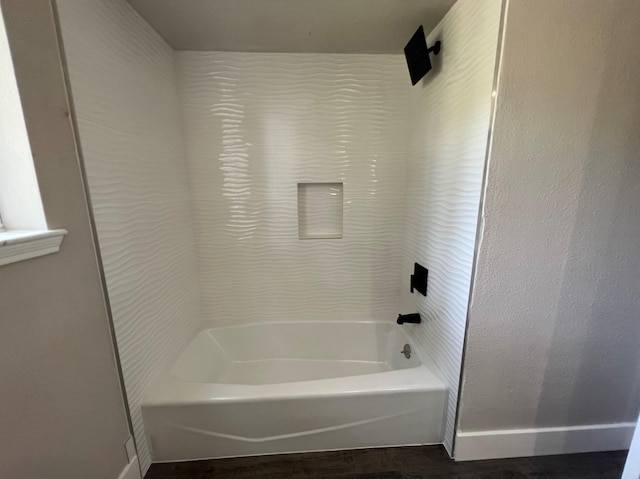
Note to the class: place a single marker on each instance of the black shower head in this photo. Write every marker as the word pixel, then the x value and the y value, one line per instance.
pixel 417 54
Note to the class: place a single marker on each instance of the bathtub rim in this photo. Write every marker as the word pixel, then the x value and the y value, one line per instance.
pixel 167 390
pixel 209 325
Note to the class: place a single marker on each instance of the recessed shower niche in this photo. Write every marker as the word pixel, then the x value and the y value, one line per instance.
pixel 212 149
pixel 320 210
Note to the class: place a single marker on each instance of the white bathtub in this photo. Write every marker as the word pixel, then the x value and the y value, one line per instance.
pixel 290 387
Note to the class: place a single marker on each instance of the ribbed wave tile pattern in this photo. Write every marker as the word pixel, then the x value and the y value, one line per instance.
pixel 124 88
pixel 256 125
pixel 451 113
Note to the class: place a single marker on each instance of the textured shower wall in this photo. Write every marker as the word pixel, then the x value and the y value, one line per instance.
pixel 124 88
pixel 451 113
pixel 257 124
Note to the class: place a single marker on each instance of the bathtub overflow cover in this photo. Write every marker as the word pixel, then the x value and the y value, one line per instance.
pixel 406 351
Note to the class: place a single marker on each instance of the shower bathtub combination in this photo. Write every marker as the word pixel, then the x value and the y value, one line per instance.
pixel 291 387
pixel 267 200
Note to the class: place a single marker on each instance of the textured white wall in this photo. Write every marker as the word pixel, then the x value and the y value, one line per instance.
pixel 554 331
pixel 124 88
pixel 256 125
pixel 451 112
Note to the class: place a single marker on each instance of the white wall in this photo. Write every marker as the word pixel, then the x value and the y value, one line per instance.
pixel 124 89
pixel 256 125
pixel 554 332
pixel 62 415
pixel 451 110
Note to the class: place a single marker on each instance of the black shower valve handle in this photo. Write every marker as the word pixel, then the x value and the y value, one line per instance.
pixel 419 279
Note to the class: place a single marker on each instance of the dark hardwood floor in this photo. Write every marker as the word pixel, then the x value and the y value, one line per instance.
pixel 394 463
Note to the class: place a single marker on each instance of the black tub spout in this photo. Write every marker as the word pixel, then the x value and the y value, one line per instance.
pixel 413 318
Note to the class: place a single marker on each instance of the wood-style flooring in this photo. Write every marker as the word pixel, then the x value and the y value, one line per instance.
pixel 394 463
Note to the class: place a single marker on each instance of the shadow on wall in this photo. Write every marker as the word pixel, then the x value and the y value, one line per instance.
pixel 593 368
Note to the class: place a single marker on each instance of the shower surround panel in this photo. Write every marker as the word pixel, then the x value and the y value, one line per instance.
pixel 451 111
pixel 124 91
pixel 256 125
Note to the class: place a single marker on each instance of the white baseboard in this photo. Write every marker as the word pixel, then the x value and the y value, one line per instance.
pixel 131 470
pixel 542 441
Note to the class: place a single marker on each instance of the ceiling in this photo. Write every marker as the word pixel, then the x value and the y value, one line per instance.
pixel 315 26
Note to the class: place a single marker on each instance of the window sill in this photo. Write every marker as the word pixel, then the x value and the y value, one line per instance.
pixel 21 245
